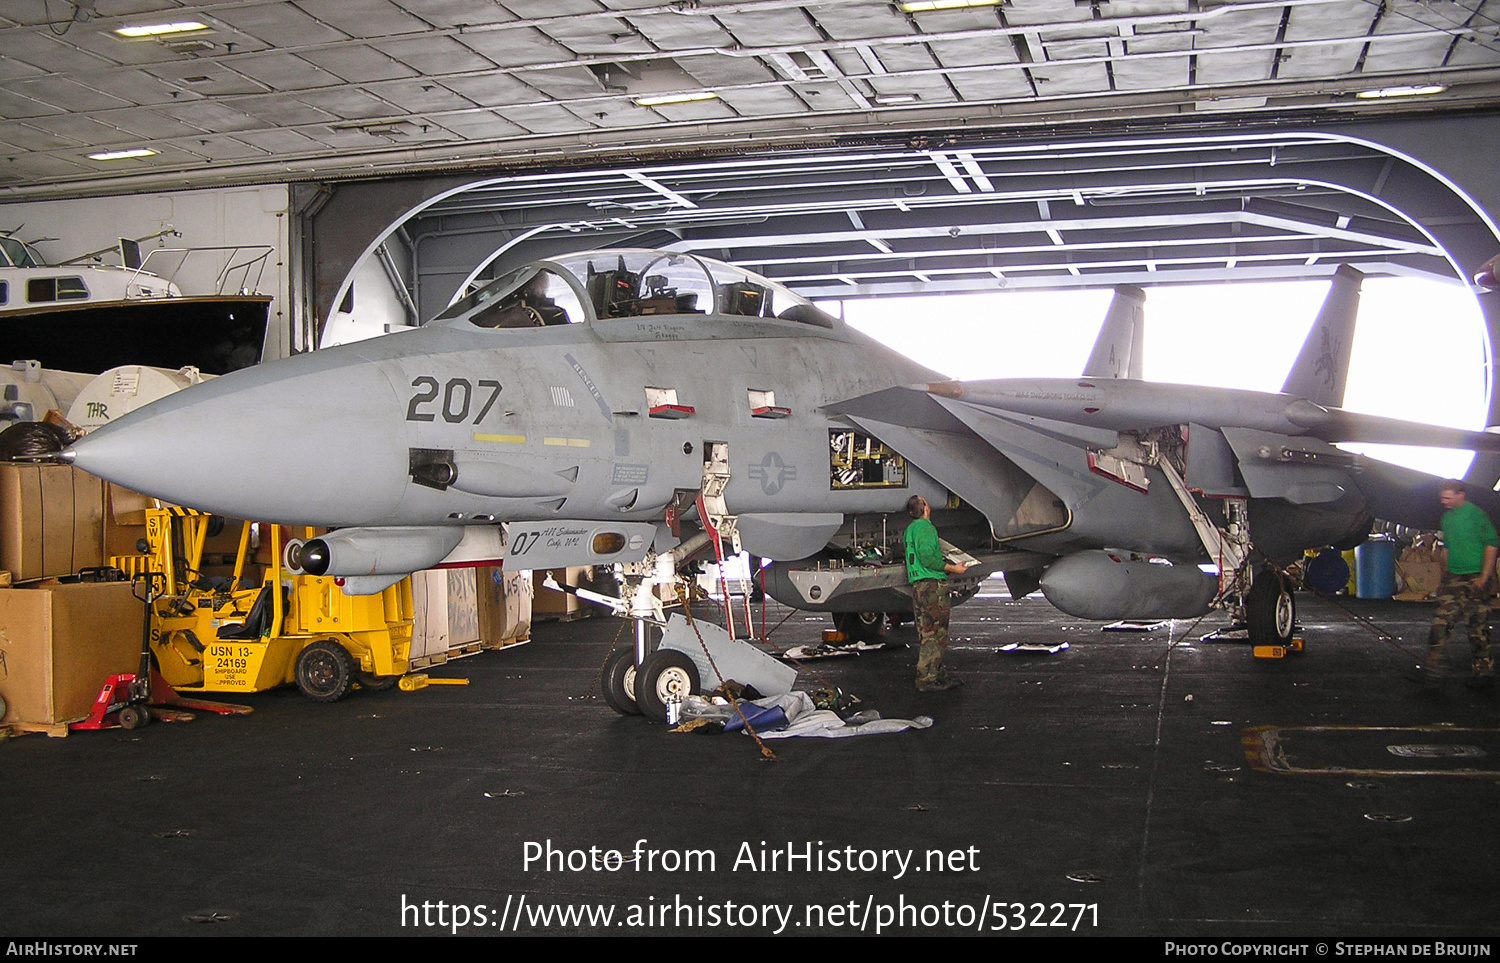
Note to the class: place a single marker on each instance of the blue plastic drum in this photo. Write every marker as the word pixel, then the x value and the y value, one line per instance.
pixel 1375 569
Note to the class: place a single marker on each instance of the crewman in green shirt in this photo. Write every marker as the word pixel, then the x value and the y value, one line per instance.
pixel 1467 589
pixel 927 570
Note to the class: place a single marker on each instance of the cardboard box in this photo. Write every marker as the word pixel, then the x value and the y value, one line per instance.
pixel 58 643
pixel 1419 570
pixel 445 610
pixel 51 520
pixel 127 507
pixel 549 603
pixel 504 606
pixel 124 520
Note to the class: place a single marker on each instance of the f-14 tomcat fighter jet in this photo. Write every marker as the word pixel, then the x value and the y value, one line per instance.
pixel 635 406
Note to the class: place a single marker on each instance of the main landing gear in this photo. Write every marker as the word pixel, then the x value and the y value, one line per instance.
pixel 1270 609
pixel 617 682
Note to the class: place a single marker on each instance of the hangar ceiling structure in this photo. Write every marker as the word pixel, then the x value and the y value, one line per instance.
pixel 298 89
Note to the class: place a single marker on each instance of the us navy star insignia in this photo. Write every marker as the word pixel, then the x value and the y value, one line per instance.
pixel 773 473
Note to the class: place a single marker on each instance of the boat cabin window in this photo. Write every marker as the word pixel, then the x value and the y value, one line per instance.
pixel 4 292
pixel 14 253
pixel 42 290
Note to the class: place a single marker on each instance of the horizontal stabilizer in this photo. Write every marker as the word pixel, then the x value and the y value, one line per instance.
pixel 1341 425
pixel 1409 497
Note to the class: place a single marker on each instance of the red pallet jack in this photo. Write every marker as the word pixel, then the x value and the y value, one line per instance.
pixel 131 700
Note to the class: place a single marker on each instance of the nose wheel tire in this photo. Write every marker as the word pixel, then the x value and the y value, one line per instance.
pixel 325 672
pixel 1270 609
pixel 617 682
pixel 665 675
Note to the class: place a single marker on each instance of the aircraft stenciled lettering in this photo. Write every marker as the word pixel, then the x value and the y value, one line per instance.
pixel 589 384
pixel 552 536
pixel 773 473
pixel 664 332
pixel 1054 396
pixel 458 396
pixel 630 474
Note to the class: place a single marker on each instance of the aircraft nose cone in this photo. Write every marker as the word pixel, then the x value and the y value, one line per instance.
pixel 314 437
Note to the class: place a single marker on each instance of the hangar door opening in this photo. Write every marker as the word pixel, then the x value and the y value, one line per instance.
pixel 863 231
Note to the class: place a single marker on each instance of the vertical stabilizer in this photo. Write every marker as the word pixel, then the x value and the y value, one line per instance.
pixel 1121 346
pixel 1322 368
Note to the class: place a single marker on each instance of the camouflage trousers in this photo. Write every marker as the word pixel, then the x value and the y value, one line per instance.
pixel 1457 599
pixel 932 606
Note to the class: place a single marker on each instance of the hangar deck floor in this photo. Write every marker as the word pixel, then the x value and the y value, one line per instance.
pixel 1110 777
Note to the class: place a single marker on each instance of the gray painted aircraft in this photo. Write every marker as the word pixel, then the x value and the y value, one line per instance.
pixel 639 407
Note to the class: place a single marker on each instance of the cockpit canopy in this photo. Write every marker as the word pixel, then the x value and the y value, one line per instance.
pixel 605 285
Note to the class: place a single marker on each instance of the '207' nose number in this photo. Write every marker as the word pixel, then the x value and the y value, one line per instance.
pixel 458 397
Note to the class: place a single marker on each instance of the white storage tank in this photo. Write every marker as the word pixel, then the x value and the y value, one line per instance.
pixel 28 391
pixel 126 388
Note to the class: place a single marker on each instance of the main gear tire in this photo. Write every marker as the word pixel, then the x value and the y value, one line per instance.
pixel 617 682
pixel 665 675
pixel 1270 609
pixel 325 672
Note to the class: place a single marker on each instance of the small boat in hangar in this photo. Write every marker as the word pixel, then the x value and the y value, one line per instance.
pixel 89 317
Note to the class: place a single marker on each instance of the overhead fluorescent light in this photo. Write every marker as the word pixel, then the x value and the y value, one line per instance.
pixel 921 6
pixel 109 155
pixel 886 100
pixel 149 30
pixel 1408 90
pixel 661 100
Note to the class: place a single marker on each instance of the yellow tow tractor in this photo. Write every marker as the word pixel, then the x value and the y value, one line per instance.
pixel 249 633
